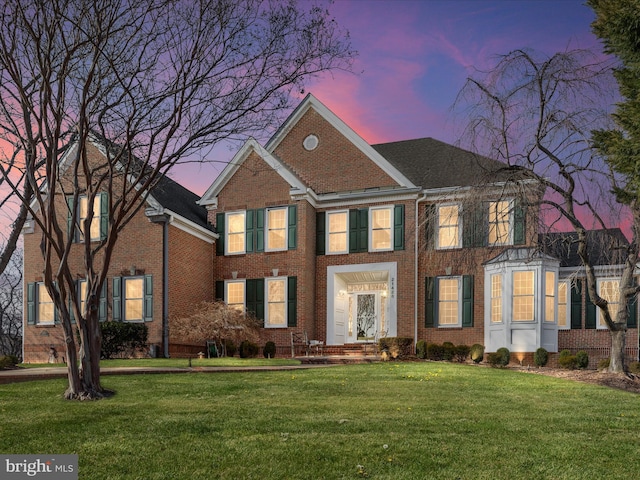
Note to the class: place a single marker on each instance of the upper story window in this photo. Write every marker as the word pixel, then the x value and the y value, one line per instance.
pixel 235 233
pixel 448 226
pixel 99 209
pixel 499 222
pixel 523 296
pixel 609 289
pixel 276 229
pixel 381 229
pixel 337 232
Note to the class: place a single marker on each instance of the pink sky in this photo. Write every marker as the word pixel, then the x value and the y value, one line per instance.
pixel 414 56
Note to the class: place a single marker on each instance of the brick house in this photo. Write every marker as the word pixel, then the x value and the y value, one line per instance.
pixel 319 232
pixel 161 266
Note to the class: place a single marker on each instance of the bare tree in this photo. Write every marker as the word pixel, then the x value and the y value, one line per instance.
pixel 11 307
pixel 536 115
pixel 154 81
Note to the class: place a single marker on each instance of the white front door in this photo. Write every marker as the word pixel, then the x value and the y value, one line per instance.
pixel 364 314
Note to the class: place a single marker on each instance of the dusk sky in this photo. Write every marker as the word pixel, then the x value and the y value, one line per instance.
pixel 414 57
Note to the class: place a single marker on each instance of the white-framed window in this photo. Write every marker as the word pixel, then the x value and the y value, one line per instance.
pixel 449 302
pixel 609 289
pixel 82 294
pixel 564 319
pixel 499 222
pixel 235 292
pixel 276 229
pixel 235 233
pixel 448 224
pixel 338 232
pixel 381 230
pixel 83 213
pixel 45 311
pixel 496 298
pixel 133 289
pixel 549 297
pixel 276 302
pixel 523 296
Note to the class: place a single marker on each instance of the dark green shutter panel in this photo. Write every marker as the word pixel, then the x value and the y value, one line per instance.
pixel 398 227
pixel 429 302
pixel 72 232
pixel 104 215
pixel 467 300
pixel 102 306
pixel 293 228
pixel 292 301
pixel 576 305
pixel 468 227
pixel 363 230
pixel 632 321
pixel 116 294
pixel 255 297
pixel 260 230
pixel 353 231
pixel 430 223
pixel 519 223
pixel 592 312
pixel 221 232
pixel 148 298
pixel 250 230
pixel 220 290
pixel 475 223
pixel 31 303
pixel 321 238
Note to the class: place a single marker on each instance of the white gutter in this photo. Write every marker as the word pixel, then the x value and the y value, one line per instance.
pixel 415 272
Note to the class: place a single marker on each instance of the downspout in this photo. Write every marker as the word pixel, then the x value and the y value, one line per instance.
pixel 415 272
pixel 164 219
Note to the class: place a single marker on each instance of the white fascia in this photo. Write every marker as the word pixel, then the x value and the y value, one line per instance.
pixel 180 222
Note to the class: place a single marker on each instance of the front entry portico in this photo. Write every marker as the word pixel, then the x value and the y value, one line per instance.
pixel 361 302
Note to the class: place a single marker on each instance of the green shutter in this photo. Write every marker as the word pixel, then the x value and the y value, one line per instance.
pixel 430 222
pixel 292 301
pixel 353 231
pixel 592 312
pixel 519 223
pixel 31 303
pixel 363 230
pixel 475 225
pixel 468 226
pixel 249 230
pixel 220 290
pixel 220 230
pixel 102 305
pixel 148 298
pixel 632 321
pixel 429 302
pixel 321 233
pixel 116 294
pixel 398 227
pixel 467 300
pixel 260 230
pixel 293 227
pixel 72 232
pixel 72 315
pixel 255 297
pixel 104 215
pixel 576 304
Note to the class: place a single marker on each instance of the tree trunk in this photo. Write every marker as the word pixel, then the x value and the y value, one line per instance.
pixel 618 341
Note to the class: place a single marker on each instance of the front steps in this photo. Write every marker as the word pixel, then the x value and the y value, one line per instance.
pixel 343 354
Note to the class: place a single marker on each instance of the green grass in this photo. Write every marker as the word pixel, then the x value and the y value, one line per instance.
pixel 383 421
pixel 181 362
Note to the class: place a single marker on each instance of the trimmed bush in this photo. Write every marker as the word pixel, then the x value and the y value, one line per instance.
pixel 8 361
pixel 398 347
pixel 269 350
pixel 435 352
pixel 505 354
pixel 248 349
pixel 120 338
pixel 448 350
pixel 494 359
pixel 541 357
pixel 477 352
pixel 634 367
pixel 421 349
pixel 229 348
pixel 566 360
pixel 582 359
pixel 461 352
pixel 603 364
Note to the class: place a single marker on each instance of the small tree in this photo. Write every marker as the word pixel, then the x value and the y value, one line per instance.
pixel 11 307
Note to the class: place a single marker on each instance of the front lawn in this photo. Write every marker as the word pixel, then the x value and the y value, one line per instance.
pixel 181 362
pixel 389 420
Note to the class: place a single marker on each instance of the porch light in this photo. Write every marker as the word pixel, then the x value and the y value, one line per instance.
pixel 384 293
pixel 342 293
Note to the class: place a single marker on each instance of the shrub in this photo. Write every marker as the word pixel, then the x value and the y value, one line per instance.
pixel 582 359
pixel 634 367
pixel 122 337
pixel 461 352
pixel 569 362
pixel 541 357
pixel 421 349
pixel 8 361
pixel 505 356
pixel 448 350
pixel 603 364
pixel 269 350
pixel 494 359
pixel 248 349
pixel 229 347
pixel 435 352
pixel 477 352
pixel 398 347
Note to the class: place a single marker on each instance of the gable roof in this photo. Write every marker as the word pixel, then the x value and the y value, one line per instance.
pixel 604 246
pixel 176 198
pixel 433 164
